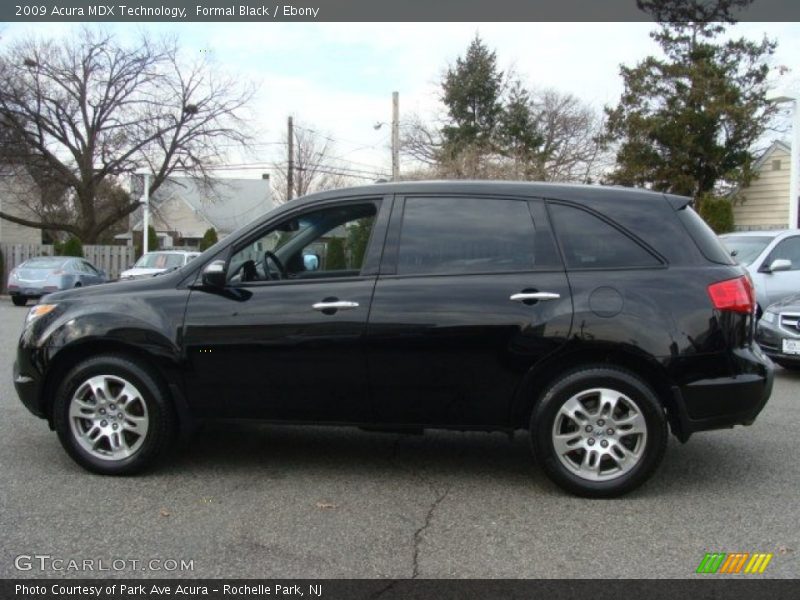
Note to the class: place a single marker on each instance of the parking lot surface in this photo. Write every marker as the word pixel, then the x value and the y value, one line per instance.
pixel 262 501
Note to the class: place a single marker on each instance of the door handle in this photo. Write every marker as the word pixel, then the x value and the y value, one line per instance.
pixel 528 296
pixel 335 305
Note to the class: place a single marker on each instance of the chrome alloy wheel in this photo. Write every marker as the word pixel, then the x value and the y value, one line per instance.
pixel 108 417
pixel 599 434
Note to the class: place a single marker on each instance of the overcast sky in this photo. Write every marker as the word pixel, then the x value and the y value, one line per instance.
pixel 338 78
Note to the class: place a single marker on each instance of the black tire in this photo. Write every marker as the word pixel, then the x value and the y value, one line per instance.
pixel 545 413
pixel 19 300
pixel 788 365
pixel 161 420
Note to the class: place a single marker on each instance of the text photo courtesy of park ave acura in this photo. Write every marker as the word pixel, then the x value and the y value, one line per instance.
pixel 349 301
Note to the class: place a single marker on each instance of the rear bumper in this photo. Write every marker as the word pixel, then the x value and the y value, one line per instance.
pixel 722 402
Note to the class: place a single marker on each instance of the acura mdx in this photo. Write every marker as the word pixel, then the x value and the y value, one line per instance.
pixel 597 319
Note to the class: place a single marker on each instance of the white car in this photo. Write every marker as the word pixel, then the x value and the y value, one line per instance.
pixel 157 262
pixel 773 260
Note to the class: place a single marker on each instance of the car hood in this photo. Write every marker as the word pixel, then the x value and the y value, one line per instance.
pixel 790 303
pixel 119 287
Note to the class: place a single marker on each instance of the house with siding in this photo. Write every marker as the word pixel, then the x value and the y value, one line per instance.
pixel 764 204
pixel 15 185
pixel 182 209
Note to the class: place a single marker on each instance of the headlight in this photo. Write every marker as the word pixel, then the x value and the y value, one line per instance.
pixel 39 311
pixel 769 317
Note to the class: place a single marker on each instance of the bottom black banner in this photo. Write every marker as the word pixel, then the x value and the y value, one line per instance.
pixel 440 589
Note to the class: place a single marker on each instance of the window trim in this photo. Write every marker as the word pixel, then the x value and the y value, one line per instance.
pixel 391 255
pixel 663 263
pixel 381 216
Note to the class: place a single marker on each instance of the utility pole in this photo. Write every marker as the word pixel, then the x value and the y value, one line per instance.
pixel 290 168
pixel 145 210
pixel 395 136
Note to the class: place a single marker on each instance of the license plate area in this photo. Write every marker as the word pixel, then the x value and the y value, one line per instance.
pixel 791 346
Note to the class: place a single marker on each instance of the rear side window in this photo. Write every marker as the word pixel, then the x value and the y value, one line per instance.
pixel 589 242
pixel 707 241
pixel 466 235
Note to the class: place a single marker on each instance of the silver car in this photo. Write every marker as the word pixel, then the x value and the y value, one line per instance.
pixel 773 260
pixel 44 274
pixel 778 332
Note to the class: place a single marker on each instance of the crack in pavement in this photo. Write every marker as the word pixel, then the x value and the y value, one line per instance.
pixel 419 532
pixel 439 497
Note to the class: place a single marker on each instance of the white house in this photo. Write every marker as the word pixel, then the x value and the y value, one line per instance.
pixel 15 184
pixel 764 204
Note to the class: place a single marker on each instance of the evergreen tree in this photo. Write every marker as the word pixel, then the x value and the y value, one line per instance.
pixel 335 259
pixel 518 132
pixel 686 123
pixel 209 239
pixel 471 91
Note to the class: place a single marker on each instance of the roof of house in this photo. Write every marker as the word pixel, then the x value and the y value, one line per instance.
pixel 776 145
pixel 227 205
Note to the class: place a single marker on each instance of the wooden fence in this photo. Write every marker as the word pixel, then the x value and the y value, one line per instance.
pixel 111 259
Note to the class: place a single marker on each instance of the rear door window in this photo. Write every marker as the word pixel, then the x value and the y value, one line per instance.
pixel 589 242
pixel 450 235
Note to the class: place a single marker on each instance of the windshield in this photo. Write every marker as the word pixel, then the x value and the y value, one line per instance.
pixel 43 262
pixel 745 248
pixel 159 260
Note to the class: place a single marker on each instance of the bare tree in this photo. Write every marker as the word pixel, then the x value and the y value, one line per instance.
pixel 570 151
pixel 315 168
pixel 83 113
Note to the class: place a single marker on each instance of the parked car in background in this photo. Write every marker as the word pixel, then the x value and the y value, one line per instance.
pixel 596 319
pixel 154 263
pixel 773 260
pixel 45 274
pixel 778 332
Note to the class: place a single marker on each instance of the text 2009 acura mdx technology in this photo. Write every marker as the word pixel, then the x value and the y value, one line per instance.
pixel 592 317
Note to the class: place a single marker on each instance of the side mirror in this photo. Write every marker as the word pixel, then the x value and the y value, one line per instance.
pixel 779 264
pixel 311 262
pixel 103 274
pixel 214 274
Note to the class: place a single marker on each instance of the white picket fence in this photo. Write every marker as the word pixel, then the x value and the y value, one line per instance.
pixel 111 259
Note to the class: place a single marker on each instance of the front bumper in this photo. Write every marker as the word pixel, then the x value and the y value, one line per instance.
pixel 28 388
pixel 770 337
pixel 722 402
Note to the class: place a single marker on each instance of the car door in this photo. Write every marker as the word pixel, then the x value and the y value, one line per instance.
pixel 91 274
pixel 282 342
pixel 471 293
pixel 780 284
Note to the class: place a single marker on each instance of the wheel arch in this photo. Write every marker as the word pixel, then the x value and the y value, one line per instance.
pixel 541 375
pixel 67 357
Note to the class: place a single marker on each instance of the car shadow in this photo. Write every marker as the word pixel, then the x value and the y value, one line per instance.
pixel 708 464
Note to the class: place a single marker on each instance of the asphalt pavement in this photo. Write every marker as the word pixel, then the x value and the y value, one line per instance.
pixel 262 501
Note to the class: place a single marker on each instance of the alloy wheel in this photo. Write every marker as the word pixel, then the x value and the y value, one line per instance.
pixel 108 417
pixel 599 434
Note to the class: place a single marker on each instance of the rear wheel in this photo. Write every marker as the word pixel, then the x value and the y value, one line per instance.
pixel 19 300
pixel 112 416
pixel 599 431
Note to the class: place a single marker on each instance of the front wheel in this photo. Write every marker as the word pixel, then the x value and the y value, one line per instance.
pixel 19 300
pixel 599 431
pixel 112 416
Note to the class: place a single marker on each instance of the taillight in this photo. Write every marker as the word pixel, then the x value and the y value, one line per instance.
pixel 736 295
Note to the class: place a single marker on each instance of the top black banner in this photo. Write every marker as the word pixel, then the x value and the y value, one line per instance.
pixel 358 10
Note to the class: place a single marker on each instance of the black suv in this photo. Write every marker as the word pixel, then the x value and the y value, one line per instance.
pixel 592 317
